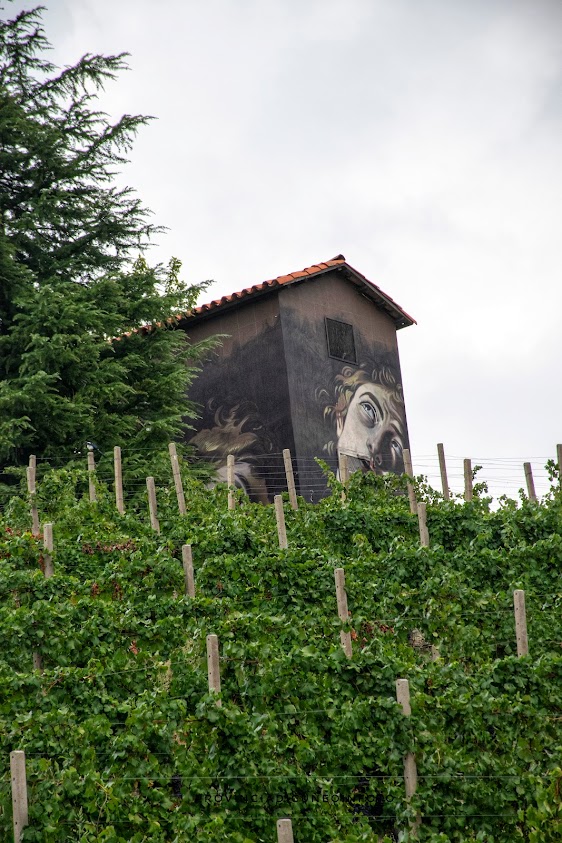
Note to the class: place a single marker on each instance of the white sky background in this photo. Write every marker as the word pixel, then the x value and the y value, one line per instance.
pixel 420 138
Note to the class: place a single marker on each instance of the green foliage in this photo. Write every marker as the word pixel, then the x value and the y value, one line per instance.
pixel 124 741
pixel 87 351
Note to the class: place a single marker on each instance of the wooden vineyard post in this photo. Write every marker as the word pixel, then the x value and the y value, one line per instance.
pixel 520 623
pixel 280 518
pixel 467 480
pixel 530 482
pixel 410 768
pixel 422 521
pixel 410 472
pixel 230 480
pixel 91 474
pixel 213 666
pixel 343 467
pixel 151 489
pixel 290 478
pixel 343 613
pixel 19 793
pixel 187 560
pixel 32 489
pixel 443 470
pixel 48 548
pixel 32 475
pixel 285 831
pixel 37 662
pixel 177 477
pixel 559 461
pixel 118 472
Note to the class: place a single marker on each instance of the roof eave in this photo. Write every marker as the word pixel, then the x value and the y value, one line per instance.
pixel 399 316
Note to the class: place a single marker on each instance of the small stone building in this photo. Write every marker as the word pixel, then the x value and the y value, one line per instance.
pixel 309 361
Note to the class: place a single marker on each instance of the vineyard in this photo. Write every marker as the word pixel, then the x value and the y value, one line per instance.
pixel 138 727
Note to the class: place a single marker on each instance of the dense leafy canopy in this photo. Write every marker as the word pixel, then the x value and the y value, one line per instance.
pixel 124 741
pixel 70 275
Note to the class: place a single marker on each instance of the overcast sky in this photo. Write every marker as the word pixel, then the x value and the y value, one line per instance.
pixel 420 138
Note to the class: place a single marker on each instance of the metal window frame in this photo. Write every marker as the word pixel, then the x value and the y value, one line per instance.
pixel 335 356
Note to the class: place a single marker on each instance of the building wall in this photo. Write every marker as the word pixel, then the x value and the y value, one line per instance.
pixel 335 403
pixel 272 384
pixel 243 396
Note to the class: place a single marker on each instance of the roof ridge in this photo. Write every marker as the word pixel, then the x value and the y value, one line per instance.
pixel 400 317
pixel 339 260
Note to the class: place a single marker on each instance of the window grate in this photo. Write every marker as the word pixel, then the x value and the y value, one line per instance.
pixel 341 343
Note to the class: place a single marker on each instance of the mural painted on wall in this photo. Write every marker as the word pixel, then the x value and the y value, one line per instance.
pixel 282 390
pixel 241 434
pixel 244 411
pixel 369 418
pixel 357 407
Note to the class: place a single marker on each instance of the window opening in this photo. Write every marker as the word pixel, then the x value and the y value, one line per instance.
pixel 341 343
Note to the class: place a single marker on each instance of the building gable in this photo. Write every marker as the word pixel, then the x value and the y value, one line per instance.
pixel 310 363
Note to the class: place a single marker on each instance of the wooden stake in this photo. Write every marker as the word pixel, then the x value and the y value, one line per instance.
pixel 31 488
pixel 213 666
pixel 410 472
pixel 467 480
pixel 32 476
pixel 530 482
pixel 91 474
pixel 410 768
pixel 285 831
pixel 19 793
pixel 48 548
pixel 520 623
pixel 403 696
pixel 37 662
pixel 117 469
pixel 559 461
pixel 343 466
pixel 230 480
pixel 188 570
pixel 280 518
pixel 177 477
pixel 443 470
pixel 290 478
pixel 343 613
pixel 422 521
pixel 154 523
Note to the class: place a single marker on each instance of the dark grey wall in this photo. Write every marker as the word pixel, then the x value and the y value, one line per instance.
pixel 243 396
pixel 322 388
pixel 272 385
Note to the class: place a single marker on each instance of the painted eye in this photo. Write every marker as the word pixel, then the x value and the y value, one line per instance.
pixel 396 447
pixel 370 413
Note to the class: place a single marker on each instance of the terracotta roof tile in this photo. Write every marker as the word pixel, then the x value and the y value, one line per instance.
pixel 372 291
pixel 401 318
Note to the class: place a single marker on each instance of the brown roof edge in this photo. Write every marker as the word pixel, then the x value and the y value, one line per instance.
pixel 372 291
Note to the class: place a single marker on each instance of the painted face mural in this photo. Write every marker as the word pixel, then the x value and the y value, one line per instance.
pixel 370 420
